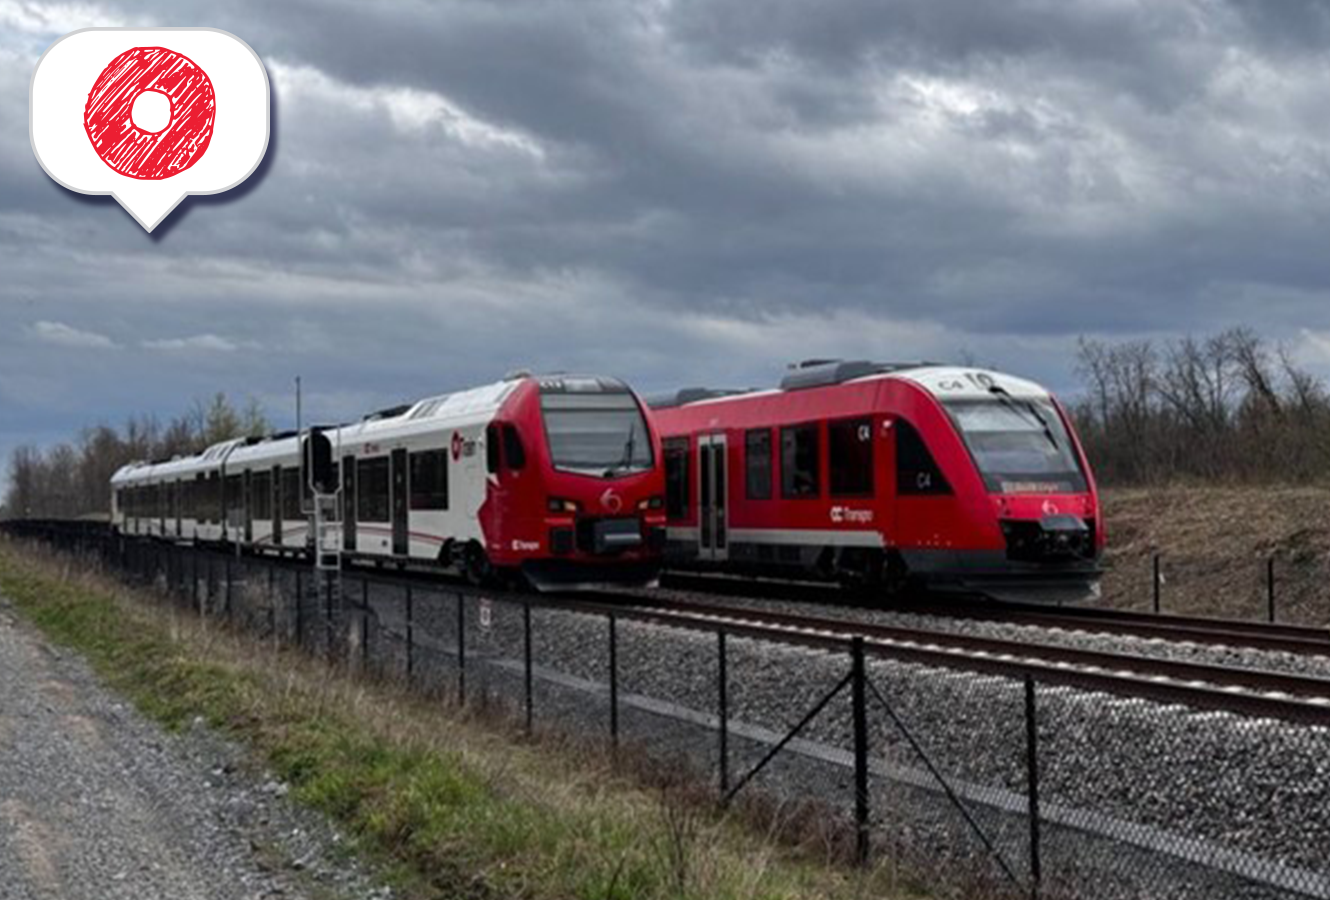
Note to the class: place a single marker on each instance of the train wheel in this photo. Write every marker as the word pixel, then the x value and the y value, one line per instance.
pixel 476 566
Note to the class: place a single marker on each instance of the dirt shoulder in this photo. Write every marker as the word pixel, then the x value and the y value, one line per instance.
pixel 1214 544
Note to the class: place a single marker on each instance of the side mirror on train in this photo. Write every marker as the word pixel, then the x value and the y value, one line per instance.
pixel 319 461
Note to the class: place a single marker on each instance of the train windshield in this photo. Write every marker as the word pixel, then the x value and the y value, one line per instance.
pixel 596 433
pixel 1019 444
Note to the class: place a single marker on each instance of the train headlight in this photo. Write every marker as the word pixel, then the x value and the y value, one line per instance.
pixel 656 502
pixel 559 505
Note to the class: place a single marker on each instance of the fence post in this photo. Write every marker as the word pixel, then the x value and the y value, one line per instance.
pixel 194 578
pixel 461 649
pixel 723 711
pixel 300 604
pixel 526 653
pixel 1032 783
pixel 860 712
pixel 228 588
pixel 410 636
pixel 1270 589
pixel 614 680
pixel 364 625
pixel 1156 582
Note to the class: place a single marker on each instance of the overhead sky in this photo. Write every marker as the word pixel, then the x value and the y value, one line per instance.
pixel 679 192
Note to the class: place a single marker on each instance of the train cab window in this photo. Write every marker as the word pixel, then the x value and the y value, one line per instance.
pixel 372 487
pixel 799 461
pixel 291 511
pixel 429 480
pixel 757 463
pixel 514 454
pixel 676 477
pixel 260 496
pixel 492 449
pixel 850 457
pixel 917 473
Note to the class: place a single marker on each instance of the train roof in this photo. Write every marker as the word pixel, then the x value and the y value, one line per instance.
pixel 937 378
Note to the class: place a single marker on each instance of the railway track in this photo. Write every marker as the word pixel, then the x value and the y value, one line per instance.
pixel 1222 688
pixel 1295 639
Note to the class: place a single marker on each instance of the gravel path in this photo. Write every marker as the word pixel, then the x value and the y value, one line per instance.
pixel 96 802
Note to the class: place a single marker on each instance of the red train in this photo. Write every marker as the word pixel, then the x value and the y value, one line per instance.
pixel 554 477
pixel 884 474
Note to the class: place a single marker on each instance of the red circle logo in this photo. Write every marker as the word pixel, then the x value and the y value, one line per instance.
pixel 131 149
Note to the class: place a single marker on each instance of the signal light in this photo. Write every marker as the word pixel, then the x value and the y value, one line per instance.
pixel 558 504
pixel 656 502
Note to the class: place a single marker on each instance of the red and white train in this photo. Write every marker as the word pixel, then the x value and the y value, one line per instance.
pixel 889 474
pixel 557 478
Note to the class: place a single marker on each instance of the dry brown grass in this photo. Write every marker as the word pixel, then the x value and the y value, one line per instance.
pixel 1214 543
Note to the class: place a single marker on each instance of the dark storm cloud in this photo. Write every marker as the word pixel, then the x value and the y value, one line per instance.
pixel 681 191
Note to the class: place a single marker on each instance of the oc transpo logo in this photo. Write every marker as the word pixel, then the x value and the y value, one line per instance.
pixel 611 501
pixel 149 115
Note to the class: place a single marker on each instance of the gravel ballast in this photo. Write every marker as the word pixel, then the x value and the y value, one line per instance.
pixel 98 802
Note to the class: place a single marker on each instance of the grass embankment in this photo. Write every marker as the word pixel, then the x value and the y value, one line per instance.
pixel 448 805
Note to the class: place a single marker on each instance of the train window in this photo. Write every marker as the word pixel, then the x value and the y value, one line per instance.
pixel 429 480
pixel 235 500
pixel 917 472
pixel 492 449
pixel 850 457
pixel 757 463
pixel 372 485
pixel 260 496
pixel 676 478
pixel 514 454
pixel 799 461
pixel 291 511
pixel 213 507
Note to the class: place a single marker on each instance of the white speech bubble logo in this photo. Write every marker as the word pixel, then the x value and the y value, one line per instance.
pixel 149 115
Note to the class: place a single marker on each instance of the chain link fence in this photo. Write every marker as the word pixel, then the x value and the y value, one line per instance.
pixel 965 784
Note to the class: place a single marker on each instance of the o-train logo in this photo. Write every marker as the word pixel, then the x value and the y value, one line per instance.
pixel 462 447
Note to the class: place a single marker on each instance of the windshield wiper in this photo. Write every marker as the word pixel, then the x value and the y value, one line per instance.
pixel 1027 406
pixel 626 460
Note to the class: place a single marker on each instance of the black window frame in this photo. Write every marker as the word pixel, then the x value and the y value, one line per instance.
pixel 369 473
pixel 756 487
pixel 514 450
pixel 856 426
pixel 789 460
pixel 917 471
pixel 419 499
pixel 678 449
pixel 292 509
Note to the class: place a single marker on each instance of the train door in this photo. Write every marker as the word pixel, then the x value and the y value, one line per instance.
pixel 401 546
pixel 713 498
pixel 349 504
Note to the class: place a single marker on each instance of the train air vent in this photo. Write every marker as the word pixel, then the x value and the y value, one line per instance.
pixel 822 372
pixel 684 396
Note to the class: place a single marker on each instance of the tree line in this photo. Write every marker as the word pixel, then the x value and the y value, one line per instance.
pixel 1229 407
pixel 72 479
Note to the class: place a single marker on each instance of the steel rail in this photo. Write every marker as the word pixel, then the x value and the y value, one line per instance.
pixel 1295 639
